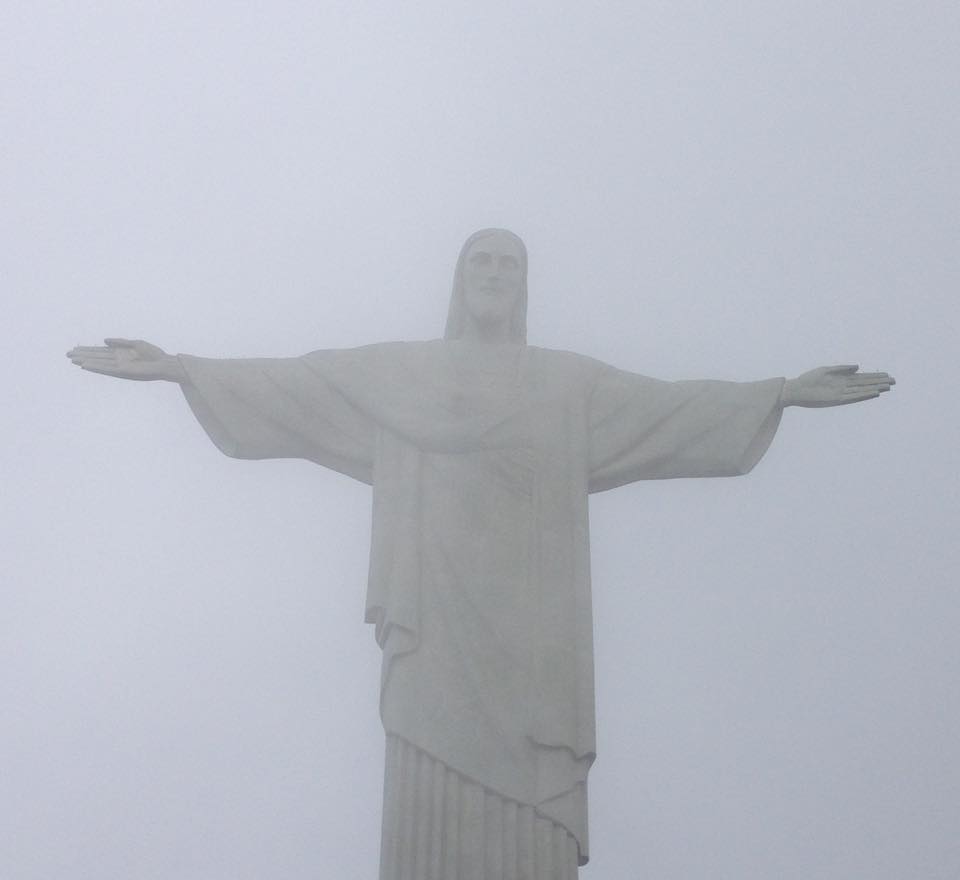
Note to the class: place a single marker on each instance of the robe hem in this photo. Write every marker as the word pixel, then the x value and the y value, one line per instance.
pixel 583 856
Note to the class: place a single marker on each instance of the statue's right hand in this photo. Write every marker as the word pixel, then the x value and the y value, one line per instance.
pixel 127 359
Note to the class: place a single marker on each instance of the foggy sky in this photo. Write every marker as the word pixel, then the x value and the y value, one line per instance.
pixel 189 691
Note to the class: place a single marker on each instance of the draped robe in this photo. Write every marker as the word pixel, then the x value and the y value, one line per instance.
pixel 481 458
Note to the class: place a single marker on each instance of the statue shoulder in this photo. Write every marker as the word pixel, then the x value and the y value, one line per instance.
pixel 376 352
pixel 569 364
pixel 567 372
pixel 381 365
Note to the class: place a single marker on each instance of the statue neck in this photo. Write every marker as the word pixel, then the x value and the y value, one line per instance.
pixel 487 331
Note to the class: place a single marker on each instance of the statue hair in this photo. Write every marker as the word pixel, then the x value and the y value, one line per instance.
pixel 456 316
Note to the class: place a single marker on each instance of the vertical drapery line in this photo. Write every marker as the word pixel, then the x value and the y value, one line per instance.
pixel 451 836
pixel 438 825
pixel 438 781
pixel 573 858
pixel 527 845
pixel 544 849
pixel 388 838
pixel 560 868
pixel 408 815
pixel 471 831
pixel 510 860
pixel 424 814
pixel 493 834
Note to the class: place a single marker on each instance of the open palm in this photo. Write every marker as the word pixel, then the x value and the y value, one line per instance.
pixel 835 386
pixel 125 359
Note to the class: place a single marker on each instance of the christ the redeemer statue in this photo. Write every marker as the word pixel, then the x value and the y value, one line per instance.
pixel 481 451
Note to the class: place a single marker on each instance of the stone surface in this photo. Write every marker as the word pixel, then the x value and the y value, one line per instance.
pixel 481 451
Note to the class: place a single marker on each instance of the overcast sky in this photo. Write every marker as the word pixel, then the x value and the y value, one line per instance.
pixel 730 191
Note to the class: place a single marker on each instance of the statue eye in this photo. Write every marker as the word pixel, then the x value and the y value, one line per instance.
pixel 480 259
pixel 509 262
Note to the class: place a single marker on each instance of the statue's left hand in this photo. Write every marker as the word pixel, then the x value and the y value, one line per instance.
pixel 835 386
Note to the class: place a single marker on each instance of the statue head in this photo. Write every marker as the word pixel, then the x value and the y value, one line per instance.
pixel 489 299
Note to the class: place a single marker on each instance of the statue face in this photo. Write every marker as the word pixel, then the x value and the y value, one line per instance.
pixel 492 281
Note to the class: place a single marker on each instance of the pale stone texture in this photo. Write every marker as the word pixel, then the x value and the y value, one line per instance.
pixel 481 451
pixel 481 457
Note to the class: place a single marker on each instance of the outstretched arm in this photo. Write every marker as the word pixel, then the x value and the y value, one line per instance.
pixel 834 386
pixel 128 359
pixel 256 407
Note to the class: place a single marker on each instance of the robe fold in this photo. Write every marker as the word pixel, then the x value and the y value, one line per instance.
pixel 481 458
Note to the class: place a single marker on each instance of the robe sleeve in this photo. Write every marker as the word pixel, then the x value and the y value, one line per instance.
pixel 280 408
pixel 648 429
